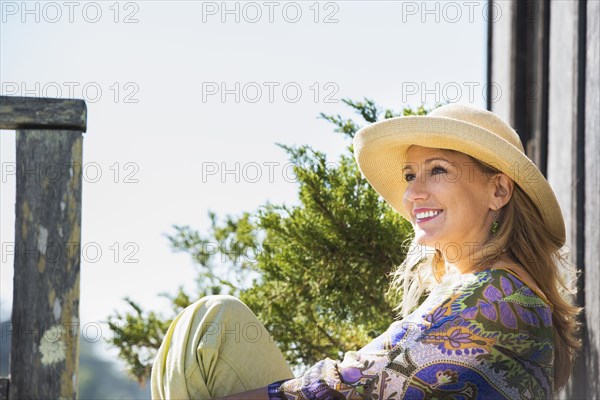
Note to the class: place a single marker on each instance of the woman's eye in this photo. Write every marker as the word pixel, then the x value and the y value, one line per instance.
pixel 411 176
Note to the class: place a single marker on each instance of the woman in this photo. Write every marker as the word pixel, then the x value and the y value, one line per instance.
pixel 486 252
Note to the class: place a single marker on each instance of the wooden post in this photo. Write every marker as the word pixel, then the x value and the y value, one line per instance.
pixel 34 112
pixel 4 382
pixel 45 315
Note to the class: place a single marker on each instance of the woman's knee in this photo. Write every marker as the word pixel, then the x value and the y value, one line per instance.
pixel 220 301
pixel 221 308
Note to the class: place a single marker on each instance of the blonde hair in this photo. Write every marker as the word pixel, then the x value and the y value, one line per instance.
pixel 526 239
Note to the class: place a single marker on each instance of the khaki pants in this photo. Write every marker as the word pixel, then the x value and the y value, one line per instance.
pixel 213 348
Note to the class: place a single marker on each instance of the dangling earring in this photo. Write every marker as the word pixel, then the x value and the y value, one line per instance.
pixel 495 223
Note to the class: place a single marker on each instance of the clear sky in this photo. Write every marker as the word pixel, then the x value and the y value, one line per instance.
pixel 187 99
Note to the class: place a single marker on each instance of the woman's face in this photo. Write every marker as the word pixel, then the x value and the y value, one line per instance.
pixel 449 199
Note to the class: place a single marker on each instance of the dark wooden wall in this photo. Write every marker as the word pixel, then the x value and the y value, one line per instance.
pixel 546 57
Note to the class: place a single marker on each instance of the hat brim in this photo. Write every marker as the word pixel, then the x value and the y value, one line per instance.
pixel 380 151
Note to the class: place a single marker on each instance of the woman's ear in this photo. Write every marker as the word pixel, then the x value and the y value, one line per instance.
pixel 502 189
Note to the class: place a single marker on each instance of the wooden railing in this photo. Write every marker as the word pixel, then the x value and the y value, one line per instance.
pixel 45 311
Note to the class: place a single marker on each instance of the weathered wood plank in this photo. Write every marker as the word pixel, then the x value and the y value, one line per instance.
pixel 42 113
pixel 563 110
pixel 592 199
pixel 563 117
pixel 502 75
pixel 45 316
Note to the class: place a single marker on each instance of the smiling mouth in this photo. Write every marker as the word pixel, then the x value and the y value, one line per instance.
pixel 427 215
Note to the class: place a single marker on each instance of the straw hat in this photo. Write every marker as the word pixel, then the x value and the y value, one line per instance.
pixel 380 151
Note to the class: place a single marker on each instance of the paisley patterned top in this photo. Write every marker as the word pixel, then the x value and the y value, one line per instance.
pixel 477 336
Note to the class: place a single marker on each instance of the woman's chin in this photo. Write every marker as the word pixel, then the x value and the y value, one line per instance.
pixel 424 239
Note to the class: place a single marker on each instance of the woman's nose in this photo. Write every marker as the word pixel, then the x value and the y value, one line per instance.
pixel 416 190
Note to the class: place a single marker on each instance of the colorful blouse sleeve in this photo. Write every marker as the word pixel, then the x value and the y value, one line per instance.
pixel 490 340
pixel 329 379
